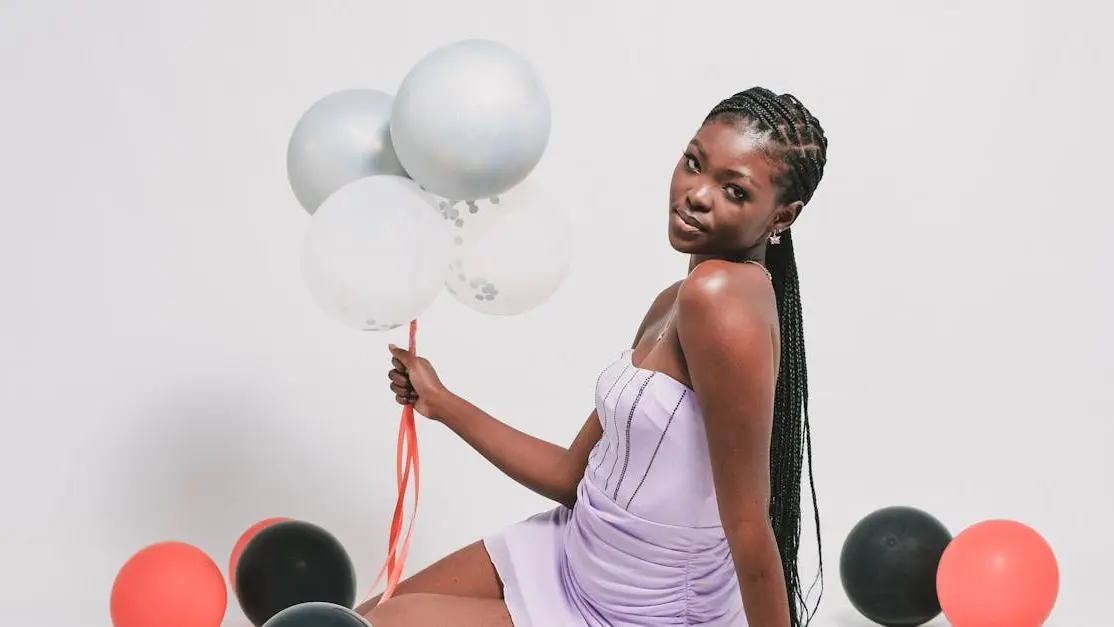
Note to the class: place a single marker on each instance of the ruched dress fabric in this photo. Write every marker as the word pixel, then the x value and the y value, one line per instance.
pixel 643 546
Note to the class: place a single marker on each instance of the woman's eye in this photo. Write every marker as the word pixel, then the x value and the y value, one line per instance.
pixel 691 164
pixel 736 193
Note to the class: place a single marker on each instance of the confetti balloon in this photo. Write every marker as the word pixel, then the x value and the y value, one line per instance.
pixel 376 253
pixel 511 252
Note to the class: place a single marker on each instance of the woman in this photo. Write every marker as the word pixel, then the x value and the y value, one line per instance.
pixel 680 497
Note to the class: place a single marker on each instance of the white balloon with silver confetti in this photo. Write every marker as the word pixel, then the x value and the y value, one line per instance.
pixel 468 219
pixel 511 252
pixel 376 253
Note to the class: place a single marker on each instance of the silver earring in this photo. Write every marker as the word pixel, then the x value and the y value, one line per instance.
pixel 775 238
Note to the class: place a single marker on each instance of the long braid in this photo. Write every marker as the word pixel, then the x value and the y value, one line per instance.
pixel 797 141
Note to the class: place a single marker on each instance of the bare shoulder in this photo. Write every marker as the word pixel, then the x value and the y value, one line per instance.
pixel 736 288
pixel 724 303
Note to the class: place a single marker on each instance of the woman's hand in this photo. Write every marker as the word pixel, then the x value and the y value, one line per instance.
pixel 415 382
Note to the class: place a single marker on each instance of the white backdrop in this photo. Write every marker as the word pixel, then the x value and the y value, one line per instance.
pixel 165 374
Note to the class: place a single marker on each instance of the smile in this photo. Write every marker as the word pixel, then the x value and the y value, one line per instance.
pixel 689 220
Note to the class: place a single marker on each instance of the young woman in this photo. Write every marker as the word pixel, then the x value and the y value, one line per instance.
pixel 680 497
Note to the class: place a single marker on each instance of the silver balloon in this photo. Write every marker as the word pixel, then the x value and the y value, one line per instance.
pixel 343 137
pixel 470 120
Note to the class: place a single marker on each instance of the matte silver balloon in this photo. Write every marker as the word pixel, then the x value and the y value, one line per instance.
pixel 343 137
pixel 470 120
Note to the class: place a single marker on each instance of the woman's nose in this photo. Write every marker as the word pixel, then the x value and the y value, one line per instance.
pixel 699 198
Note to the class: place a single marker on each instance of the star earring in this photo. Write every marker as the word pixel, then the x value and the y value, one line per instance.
pixel 775 238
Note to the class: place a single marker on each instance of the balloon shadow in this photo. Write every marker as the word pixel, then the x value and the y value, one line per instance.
pixel 848 617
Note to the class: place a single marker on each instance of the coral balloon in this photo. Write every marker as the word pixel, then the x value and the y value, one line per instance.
pixel 998 572
pixel 243 542
pixel 169 584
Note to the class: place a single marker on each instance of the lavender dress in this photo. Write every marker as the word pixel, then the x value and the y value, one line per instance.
pixel 643 546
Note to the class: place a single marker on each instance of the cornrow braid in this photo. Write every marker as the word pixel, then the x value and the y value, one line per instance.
pixel 796 141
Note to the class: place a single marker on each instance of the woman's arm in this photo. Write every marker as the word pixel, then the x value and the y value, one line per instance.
pixel 730 348
pixel 546 468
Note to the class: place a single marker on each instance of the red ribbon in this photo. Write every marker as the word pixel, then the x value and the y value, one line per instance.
pixel 406 461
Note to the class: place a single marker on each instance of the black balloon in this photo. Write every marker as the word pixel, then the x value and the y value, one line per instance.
pixel 317 615
pixel 888 566
pixel 291 563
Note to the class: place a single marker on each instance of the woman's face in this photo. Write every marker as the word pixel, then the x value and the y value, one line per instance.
pixel 722 200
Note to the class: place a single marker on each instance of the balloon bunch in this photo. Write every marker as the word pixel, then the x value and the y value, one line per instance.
pixel 284 573
pixel 408 194
pixel 429 189
pixel 901 567
pixel 426 190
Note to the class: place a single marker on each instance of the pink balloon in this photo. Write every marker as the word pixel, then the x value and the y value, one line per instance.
pixel 998 572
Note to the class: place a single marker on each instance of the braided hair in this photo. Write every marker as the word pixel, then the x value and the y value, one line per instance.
pixel 795 141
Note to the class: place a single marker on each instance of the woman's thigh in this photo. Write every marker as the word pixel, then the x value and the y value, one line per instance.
pixel 467 572
pixel 439 610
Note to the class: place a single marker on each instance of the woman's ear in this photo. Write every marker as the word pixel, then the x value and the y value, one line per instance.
pixel 786 215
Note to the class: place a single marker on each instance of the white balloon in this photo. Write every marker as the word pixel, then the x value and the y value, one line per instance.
pixel 342 137
pixel 469 219
pixel 470 120
pixel 376 253
pixel 514 258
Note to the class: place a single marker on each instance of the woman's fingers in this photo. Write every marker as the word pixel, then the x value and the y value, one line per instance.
pixel 400 384
pixel 406 399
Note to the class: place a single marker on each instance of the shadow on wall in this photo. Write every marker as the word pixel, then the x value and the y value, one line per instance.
pixel 848 617
pixel 203 464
